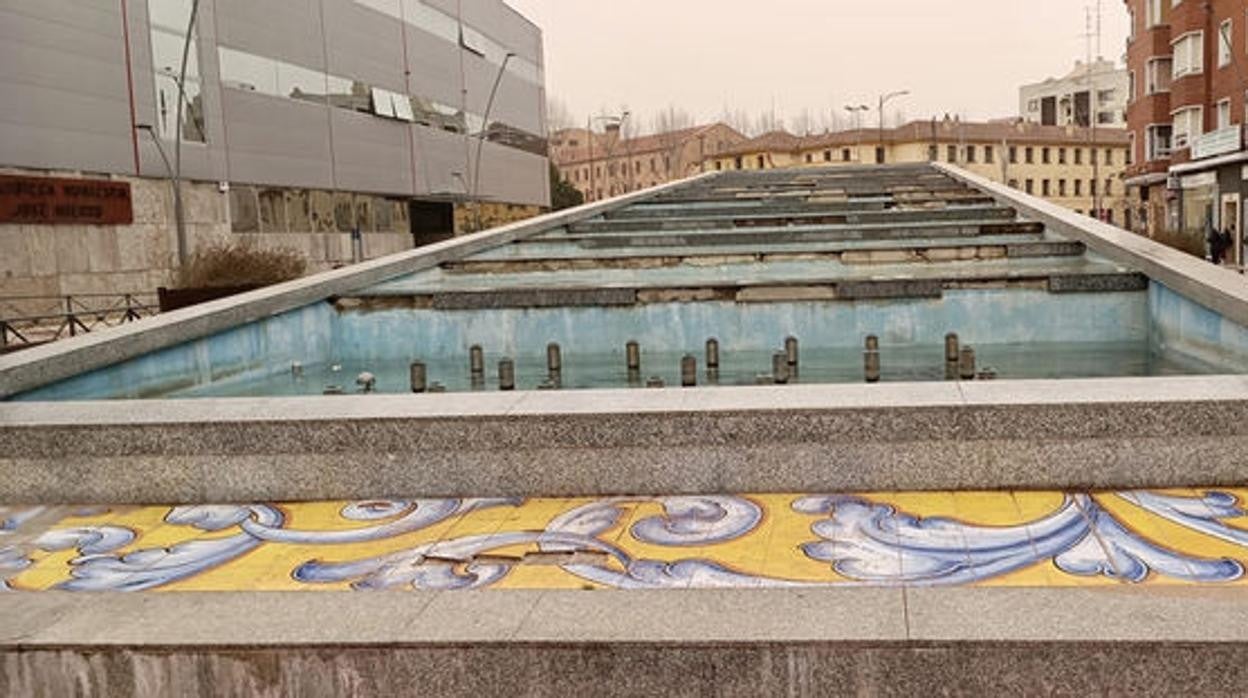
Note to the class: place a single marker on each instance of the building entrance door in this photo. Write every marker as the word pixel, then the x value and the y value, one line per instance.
pixel 1230 218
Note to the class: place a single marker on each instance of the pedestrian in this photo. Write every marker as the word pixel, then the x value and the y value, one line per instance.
pixel 1214 240
pixel 1225 241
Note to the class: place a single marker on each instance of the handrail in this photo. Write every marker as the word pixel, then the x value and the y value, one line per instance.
pixel 68 315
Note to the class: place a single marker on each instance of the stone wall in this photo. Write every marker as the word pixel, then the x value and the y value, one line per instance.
pixel 493 215
pixel 57 260
pixel 53 260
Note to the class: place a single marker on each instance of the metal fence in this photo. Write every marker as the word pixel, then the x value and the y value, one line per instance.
pixel 27 321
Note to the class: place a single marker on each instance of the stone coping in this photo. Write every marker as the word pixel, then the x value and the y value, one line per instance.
pixel 1082 435
pixel 605 403
pixel 1158 615
pixel 1221 290
pixel 39 366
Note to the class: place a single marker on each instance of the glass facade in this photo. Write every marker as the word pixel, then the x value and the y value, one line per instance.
pixel 169 21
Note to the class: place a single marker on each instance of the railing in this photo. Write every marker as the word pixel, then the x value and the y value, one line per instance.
pixel 27 321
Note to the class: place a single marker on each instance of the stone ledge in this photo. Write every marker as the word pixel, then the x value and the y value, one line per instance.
pixel 800 643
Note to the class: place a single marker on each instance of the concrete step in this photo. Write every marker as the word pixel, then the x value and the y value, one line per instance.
pixel 795 234
pixel 765 218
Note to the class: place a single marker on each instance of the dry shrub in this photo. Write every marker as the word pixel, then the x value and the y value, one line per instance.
pixel 1179 240
pixel 235 264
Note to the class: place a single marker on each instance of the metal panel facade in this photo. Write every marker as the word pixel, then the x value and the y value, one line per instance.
pixel 65 93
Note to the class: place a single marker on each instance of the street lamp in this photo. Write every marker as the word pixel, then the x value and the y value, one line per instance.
pixel 884 100
pixel 485 127
pixel 589 134
pixel 857 112
pixel 179 216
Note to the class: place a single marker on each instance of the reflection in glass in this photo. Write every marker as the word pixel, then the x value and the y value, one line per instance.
pixel 167 23
pixel 245 71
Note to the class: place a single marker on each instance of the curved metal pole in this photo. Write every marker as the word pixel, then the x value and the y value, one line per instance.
pixel 178 212
pixel 485 127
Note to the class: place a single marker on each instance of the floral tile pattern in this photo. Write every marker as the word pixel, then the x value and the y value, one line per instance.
pixel 1039 539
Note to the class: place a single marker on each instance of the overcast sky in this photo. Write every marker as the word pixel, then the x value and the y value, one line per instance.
pixel 956 56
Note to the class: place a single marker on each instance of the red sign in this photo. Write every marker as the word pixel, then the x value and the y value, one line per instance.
pixel 47 200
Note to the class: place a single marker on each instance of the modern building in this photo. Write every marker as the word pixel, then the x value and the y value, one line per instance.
pixel 603 165
pixel 1186 117
pixel 303 123
pixel 1062 164
pixel 1099 87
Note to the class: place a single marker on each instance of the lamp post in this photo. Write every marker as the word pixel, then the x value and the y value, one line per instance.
pixel 857 112
pixel 485 127
pixel 589 135
pixel 884 100
pixel 179 217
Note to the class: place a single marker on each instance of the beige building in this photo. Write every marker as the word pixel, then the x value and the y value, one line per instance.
pixel 602 165
pixel 1058 163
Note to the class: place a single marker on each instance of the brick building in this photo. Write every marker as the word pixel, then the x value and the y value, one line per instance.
pixel 602 165
pixel 1187 60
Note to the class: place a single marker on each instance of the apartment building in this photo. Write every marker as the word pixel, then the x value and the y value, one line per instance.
pixel 339 128
pixel 1096 90
pixel 1188 61
pixel 605 164
pixel 1063 164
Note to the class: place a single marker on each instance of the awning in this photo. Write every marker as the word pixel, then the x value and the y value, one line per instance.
pixel 1201 165
pixel 1145 180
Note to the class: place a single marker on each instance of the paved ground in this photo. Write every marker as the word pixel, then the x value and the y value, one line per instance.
pixel 1020 539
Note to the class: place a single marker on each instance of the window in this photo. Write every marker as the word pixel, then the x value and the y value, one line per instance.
pixel 1158 72
pixel 1044 187
pixel 169 21
pixel 1033 105
pixel 1109 187
pixel 970 153
pixel 1092 156
pixel 1105 117
pixel 1109 156
pixel 1078 156
pixel 1189 54
pixel 1030 155
pixel 1224 44
pixel 1152 13
pixel 1224 113
pixel 879 155
pixel 988 154
pixel 933 153
pixel 1030 186
pixel 1131 87
pixel 1061 156
pixel 762 162
pixel 1044 155
pixel 809 158
pixel 739 163
pixel 827 156
pixel 845 154
pixel 1078 187
pixel 951 153
pixel 1092 187
pixel 1188 125
pixel 1157 142
pixel 1106 96
pixel 1014 184
pixel 1061 187
pixel 1013 155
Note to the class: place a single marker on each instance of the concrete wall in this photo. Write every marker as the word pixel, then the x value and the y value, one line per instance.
pixel 1182 325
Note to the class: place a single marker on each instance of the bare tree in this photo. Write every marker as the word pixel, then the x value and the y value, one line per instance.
pixel 558 116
